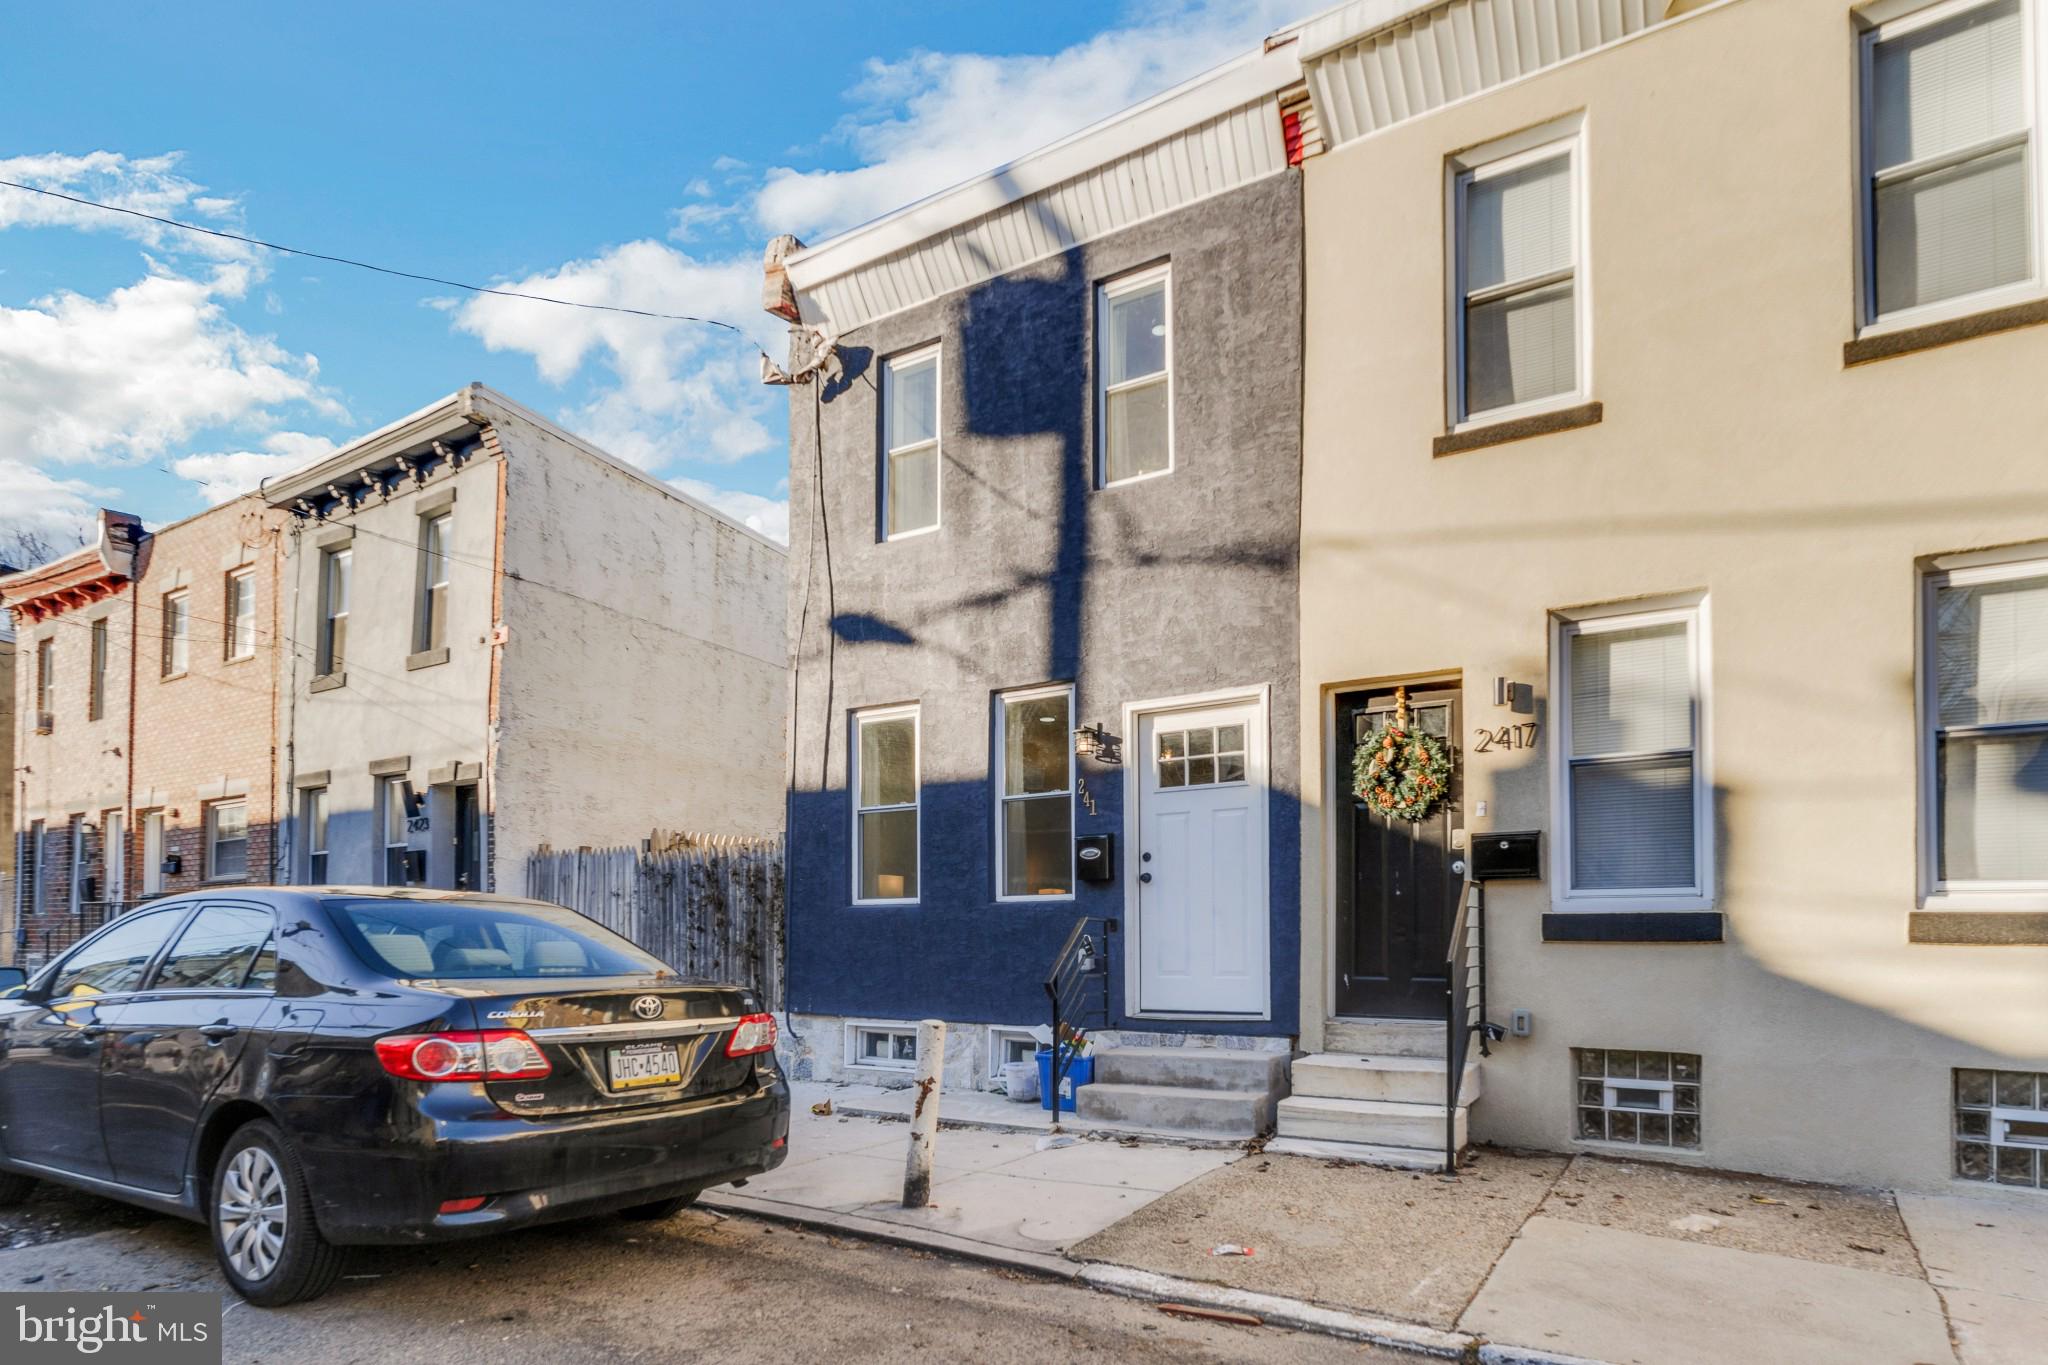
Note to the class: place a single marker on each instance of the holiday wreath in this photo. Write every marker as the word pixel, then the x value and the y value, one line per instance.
pixel 1400 771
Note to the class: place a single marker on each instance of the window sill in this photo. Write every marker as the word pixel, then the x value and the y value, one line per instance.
pixel 173 677
pixel 327 682
pixel 1516 429
pixel 1632 926
pixel 1908 340
pixel 1979 928
pixel 426 658
pixel 239 659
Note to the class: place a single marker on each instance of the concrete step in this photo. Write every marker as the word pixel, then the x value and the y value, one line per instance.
pixel 1408 1080
pixel 1385 1037
pixel 1236 1113
pixel 1380 1123
pixel 1364 1153
pixel 1193 1068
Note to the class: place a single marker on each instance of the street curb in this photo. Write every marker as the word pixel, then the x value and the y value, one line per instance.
pixel 1278 1311
pixel 876 1230
pixel 1147 1285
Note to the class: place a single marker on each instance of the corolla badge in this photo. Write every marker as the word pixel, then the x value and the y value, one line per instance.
pixel 648 1007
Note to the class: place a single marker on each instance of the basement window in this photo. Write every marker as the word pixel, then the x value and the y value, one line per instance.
pixel 1006 1045
pixel 880 1045
pixel 1649 1099
pixel 2001 1127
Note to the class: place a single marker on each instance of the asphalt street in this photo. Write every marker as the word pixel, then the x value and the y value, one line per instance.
pixel 700 1287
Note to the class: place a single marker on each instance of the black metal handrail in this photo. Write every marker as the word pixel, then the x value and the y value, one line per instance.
pixel 1464 1007
pixel 1078 988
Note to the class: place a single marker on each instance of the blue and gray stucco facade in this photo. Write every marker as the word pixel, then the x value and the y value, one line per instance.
pixel 1182 585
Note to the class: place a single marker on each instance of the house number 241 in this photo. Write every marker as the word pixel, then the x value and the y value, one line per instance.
pixel 1521 736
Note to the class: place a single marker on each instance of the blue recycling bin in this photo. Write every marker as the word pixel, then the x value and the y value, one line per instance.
pixel 1077 1072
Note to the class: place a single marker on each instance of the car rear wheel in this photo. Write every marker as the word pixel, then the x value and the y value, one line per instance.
pixel 14 1189
pixel 659 1209
pixel 262 1221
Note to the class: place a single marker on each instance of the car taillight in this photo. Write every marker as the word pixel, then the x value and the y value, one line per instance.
pixel 490 1055
pixel 756 1033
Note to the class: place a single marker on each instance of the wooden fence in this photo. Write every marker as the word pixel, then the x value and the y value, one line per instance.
pixel 710 907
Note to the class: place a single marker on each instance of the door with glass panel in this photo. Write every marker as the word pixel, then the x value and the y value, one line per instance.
pixel 1201 925
pixel 1397 882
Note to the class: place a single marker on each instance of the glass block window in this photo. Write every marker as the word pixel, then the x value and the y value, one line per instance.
pixel 1651 1099
pixel 2001 1127
pixel 1207 756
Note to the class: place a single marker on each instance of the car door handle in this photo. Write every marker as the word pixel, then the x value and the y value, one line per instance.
pixel 214 1033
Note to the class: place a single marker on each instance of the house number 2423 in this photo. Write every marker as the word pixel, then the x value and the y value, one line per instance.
pixel 1521 736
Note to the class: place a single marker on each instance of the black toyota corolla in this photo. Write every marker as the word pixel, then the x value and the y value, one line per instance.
pixel 307 1069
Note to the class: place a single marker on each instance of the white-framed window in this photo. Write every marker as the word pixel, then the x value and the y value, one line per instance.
pixel 394 810
pixel 1518 323
pixel 227 841
pixel 887 787
pixel 114 855
pixel 313 833
pixel 1006 1045
pixel 337 567
pixel 1950 203
pixel 240 633
pixel 152 852
pixel 177 632
pixel 1034 784
pixel 430 613
pixel 1633 799
pixel 1134 376
pixel 910 444
pixel 1984 733
pixel 890 1047
pixel 78 863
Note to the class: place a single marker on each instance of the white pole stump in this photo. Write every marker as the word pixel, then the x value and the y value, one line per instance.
pixel 924 1114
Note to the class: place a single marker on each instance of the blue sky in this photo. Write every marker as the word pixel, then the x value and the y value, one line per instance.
pixel 626 153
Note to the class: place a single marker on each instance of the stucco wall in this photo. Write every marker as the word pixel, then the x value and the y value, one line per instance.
pixel 1737 456
pixel 644 678
pixel 432 717
pixel 1167 587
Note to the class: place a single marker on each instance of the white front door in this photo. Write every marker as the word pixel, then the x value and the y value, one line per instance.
pixel 153 853
pixel 1198 860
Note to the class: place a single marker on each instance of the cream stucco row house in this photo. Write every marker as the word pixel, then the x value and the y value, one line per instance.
pixel 1661 437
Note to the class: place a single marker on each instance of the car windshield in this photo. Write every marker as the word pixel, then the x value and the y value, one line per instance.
pixel 464 940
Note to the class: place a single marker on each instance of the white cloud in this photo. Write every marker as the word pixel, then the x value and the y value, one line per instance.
pixel 149 184
pixel 32 502
pixel 933 119
pixel 769 516
pixel 132 375
pixel 226 474
pixel 679 389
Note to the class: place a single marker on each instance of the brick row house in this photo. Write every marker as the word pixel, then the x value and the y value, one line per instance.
pixel 1634 407
pixel 385 670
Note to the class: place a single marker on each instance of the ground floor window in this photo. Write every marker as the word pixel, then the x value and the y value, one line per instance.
pixel 2001 1127
pixel 1651 1099
pixel 882 1045
pixel 313 819
pixel 1007 1045
pixel 227 841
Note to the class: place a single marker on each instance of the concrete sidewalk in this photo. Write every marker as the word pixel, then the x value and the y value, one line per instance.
pixel 1524 1256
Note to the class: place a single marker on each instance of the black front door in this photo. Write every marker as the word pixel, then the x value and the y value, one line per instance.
pixel 468 844
pixel 1397 891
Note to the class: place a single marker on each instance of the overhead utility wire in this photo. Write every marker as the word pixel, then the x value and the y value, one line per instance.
pixel 384 269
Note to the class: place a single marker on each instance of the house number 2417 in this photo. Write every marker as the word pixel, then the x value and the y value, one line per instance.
pixel 1521 736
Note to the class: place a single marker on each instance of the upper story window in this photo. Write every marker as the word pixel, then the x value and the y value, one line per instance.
pixel 1518 325
pixel 46 686
pixel 96 693
pixel 1949 201
pixel 177 633
pixel 1633 809
pixel 430 613
pixel 910 443
pixel 1035 793
pixel 1985 732
pixel 886 786
pixel 336 568
pixel 1134 376
pixel 240 632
